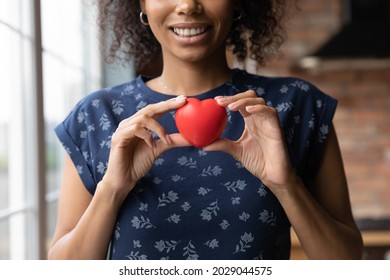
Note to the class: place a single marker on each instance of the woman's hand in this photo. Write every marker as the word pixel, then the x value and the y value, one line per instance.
pixel 261 148
pixel 133 149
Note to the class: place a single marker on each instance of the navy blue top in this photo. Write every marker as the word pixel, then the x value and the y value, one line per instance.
pixel 195 204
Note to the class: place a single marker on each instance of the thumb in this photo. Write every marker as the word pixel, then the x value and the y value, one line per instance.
pixel 175 140
pixel 223 145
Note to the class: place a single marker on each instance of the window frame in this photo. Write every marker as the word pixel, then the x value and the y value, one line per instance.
pixel 26 216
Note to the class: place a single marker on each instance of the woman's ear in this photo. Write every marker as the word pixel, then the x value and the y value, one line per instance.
pixel 142 4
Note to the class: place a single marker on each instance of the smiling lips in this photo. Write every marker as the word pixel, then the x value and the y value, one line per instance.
pixel 189 32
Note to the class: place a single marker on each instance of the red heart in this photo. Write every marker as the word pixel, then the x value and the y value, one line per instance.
pixel 201 122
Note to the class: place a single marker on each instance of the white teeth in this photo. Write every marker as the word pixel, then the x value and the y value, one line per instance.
pixel 188 32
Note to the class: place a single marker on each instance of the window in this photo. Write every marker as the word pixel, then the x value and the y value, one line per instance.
pixel 15 57
pixel 52 73
pixel 71 69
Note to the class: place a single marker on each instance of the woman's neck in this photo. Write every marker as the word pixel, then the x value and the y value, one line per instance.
pixel 191 79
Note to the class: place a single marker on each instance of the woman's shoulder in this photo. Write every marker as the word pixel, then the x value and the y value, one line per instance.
pixel 281 84
pixel 107 96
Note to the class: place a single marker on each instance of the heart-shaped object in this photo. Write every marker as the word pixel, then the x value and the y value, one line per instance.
pixel 201 122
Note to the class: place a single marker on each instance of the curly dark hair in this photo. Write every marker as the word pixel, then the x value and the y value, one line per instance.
pixel 257 34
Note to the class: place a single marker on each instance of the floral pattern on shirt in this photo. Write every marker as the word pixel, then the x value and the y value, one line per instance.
pixel 195 204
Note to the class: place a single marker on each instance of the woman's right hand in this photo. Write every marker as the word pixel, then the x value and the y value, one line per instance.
pixel 133 149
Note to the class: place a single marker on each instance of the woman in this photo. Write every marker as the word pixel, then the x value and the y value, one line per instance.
pixel 132 181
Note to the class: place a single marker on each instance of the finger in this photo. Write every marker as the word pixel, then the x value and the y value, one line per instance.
pixel 177 140
pixel 147 123
pixel 262 110
pixel 157 109
pixel 155 127
pixel 241 105
pixel 146 136
pixel 265 112
pixel 122 137
pixel 226 100
pixel 154 111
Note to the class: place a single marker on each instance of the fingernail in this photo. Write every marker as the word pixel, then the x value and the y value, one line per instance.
pixel 221 98
pixel 180 98
pixel 232 105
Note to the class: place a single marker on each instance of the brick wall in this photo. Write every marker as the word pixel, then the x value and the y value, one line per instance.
pixel 362 120
pixel 363 126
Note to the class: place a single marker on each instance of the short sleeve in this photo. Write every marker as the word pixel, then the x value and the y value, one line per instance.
pixel 87 131
pixel 73 134
pixel 323 111
pixel 305 113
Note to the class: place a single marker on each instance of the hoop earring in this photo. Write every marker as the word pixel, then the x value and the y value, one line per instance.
pixel 143 18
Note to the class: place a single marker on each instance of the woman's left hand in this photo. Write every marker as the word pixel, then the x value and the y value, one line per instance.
pixel 261 148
